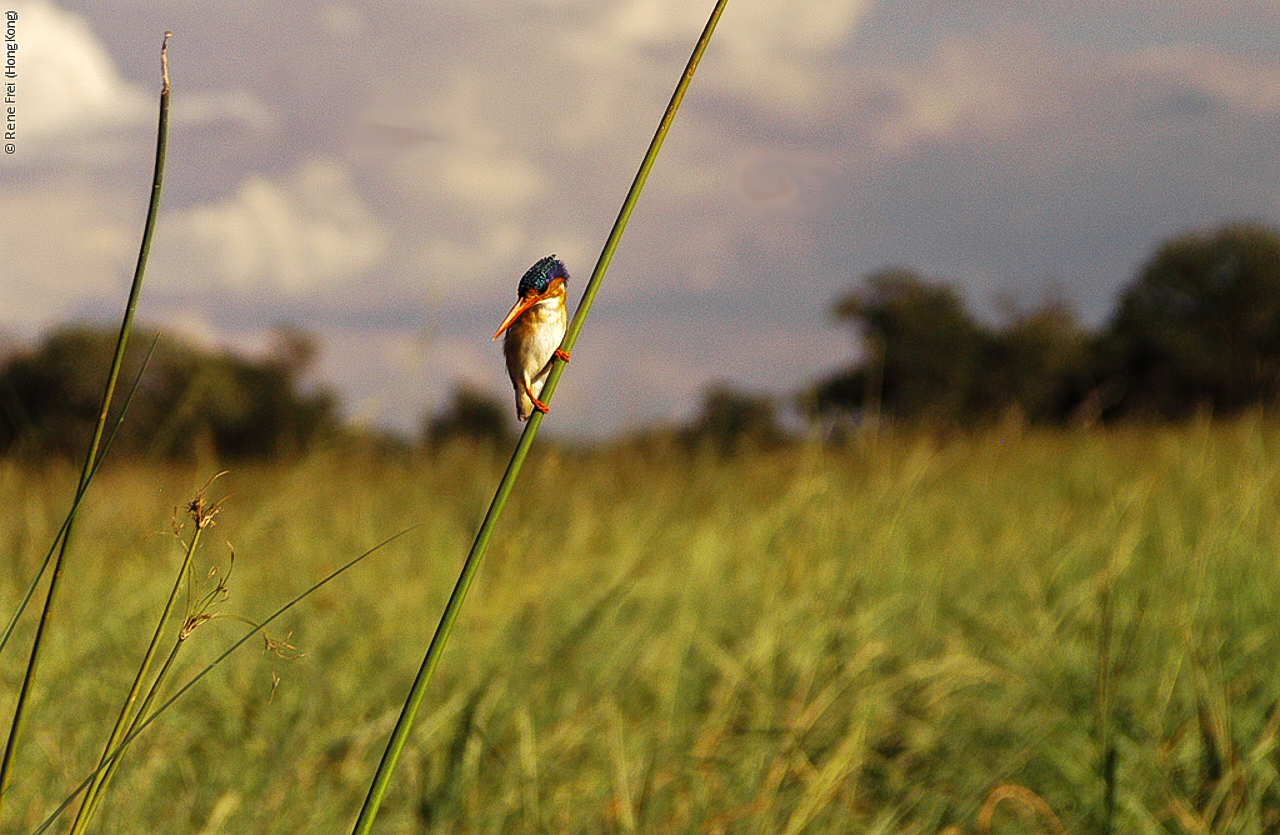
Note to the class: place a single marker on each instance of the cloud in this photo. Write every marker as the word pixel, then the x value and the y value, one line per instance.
pixel 415 372
pixel 758 27
pixel 491 258
pixel 342 19
pixel 774 54
pixel 69 92
pixel 1208 75
pixel 66 243
pixel 964 86
pixel 309 234
pixel 490 179
pixel 1012 92
pixel 223 109
pixel 479 176
pixel 778 53
pixel 456 155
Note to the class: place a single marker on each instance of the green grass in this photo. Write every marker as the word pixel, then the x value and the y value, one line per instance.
pixel 861 640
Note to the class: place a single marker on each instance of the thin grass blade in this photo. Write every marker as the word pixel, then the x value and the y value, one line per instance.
pixel 202 517
pixel 75 505
pixel 142 725
pixel 126 325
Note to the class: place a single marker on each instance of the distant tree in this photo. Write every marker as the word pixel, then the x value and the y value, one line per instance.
pixel 921 350
pixel 1038 365
pixel 849 395
pixel 925 358
pixel 189 399
pixel 294 349
pixel 49 399
pixel 473 417
pixel 733 421
pixel 1200 326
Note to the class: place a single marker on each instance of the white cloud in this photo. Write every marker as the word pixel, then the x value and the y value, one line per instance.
pixel 309 234
pixel 966 85
pixel 342 19
pixel 68 86
pixel 771 53
pixel 496 179
pixel 653 22
pixel 1042 102
pixel 65 244
pixel 774 55
pixel 462 159
pixel 415 372
pixel 761 27
pixel 475 179
pixel 223 108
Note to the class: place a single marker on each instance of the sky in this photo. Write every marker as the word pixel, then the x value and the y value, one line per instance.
pixel 381 173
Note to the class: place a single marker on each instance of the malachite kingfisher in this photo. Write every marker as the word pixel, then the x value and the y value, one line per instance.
pixel 535 327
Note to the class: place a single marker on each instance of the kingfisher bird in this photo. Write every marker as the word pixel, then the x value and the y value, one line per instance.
pixel 535 327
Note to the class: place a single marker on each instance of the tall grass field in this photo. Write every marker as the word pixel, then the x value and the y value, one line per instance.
pixel 1015 632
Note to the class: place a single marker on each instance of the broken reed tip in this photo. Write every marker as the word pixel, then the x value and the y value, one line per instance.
pixel 164 60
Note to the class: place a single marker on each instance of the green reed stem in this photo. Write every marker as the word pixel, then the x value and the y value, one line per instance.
pixel 111 759
pixel 20 709
pixel 382 777
pixel 139 725
pixel 1104 690
pixel 75 504
pixel 196 615
pixel 123 724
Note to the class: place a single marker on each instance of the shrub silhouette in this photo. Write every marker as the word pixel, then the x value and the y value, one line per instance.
pixel 189 400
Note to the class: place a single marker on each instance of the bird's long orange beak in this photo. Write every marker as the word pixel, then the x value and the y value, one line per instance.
pixel 522 304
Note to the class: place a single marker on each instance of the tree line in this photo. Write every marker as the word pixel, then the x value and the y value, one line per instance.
pixel 185 401
pixel 1197 330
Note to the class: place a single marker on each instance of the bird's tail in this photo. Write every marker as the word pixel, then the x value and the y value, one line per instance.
pixel 524 406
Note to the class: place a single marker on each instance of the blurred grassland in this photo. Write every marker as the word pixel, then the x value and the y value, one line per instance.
pixel 863 639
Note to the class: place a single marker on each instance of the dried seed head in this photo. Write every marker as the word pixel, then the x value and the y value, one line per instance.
pixel 190 625
pixel 281 648
pixel 201 512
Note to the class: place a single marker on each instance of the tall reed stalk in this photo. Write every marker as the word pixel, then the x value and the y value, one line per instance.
pixel 202 514
pixel 1104 693
pixel 20 711
pixel 382 777
pixel 75 505
pixel 145 716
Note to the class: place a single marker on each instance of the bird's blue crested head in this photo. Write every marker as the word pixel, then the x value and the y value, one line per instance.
pixel 540 275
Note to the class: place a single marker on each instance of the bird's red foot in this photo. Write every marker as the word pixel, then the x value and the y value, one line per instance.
pixel 564 355
pixel 537 404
